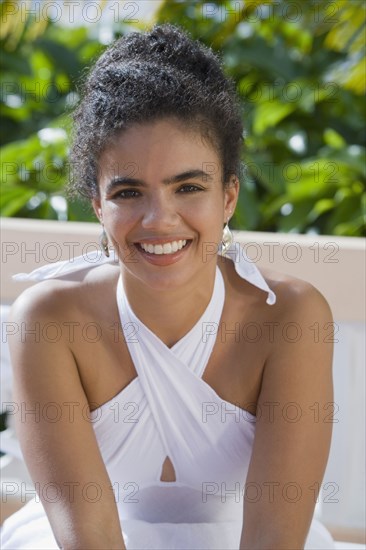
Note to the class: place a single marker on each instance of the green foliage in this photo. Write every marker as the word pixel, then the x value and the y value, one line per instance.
pixel 40 67
pixel 304 163
pixel 299 68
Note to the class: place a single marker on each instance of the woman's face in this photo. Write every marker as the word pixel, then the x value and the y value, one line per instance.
pixel 162 202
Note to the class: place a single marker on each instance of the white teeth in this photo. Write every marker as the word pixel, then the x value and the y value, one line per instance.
pixel 166 248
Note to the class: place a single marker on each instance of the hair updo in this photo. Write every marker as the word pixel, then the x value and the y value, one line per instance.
pixel 143 77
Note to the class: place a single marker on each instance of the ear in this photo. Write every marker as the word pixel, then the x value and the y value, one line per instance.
pixel 97 207
pixel 231 196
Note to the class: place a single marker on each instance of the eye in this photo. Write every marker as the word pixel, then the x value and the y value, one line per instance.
pixel 189 188
pixel 126 194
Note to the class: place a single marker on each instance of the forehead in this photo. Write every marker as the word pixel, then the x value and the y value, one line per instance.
pixel 162 148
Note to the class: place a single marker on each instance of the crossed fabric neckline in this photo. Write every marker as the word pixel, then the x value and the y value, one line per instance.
pixel 172 372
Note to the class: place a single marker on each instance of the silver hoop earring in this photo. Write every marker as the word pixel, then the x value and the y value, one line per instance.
pixel 103 240
pixel 227 239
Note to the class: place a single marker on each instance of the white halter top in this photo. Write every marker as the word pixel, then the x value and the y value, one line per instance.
pixel 169 411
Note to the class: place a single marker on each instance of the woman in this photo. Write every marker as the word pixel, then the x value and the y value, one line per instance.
pixel 176 431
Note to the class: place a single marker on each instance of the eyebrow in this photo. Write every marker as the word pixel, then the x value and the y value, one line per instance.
pixel 134 182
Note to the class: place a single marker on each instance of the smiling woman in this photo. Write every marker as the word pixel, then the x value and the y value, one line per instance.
pixel 221 448
pixel 168 201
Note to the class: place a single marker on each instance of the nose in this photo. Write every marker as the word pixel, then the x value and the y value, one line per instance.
pixel 160 213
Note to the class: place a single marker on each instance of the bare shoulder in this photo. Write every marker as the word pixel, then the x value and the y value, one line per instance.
pixel 55 298
pixel 44 300
pixel 45 323
pixel 295 297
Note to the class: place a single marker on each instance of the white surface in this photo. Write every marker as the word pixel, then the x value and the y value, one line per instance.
pixel 349 546
pixel 342 501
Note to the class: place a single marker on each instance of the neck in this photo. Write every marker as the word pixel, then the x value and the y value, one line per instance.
pixel 170 314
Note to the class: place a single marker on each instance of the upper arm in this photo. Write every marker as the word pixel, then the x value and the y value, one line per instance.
pixel 53 423
pixel 294 424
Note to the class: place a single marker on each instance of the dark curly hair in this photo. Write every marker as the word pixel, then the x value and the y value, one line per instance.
pixel 147 76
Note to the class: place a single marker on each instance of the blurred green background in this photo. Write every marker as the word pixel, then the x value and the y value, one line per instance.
pixel 299 67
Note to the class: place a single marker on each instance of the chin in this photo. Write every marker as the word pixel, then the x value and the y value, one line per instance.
pixel 161 282
pixel 168 272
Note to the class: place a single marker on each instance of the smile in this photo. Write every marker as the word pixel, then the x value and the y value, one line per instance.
pixel 166 248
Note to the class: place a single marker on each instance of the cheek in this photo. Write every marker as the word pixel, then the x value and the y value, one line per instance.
pixel 210 208
pixel 117 218
pixel 208 201
pixel 208 217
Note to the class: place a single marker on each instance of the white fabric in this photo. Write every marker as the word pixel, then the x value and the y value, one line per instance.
pixel 168 410
pixel 60 269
